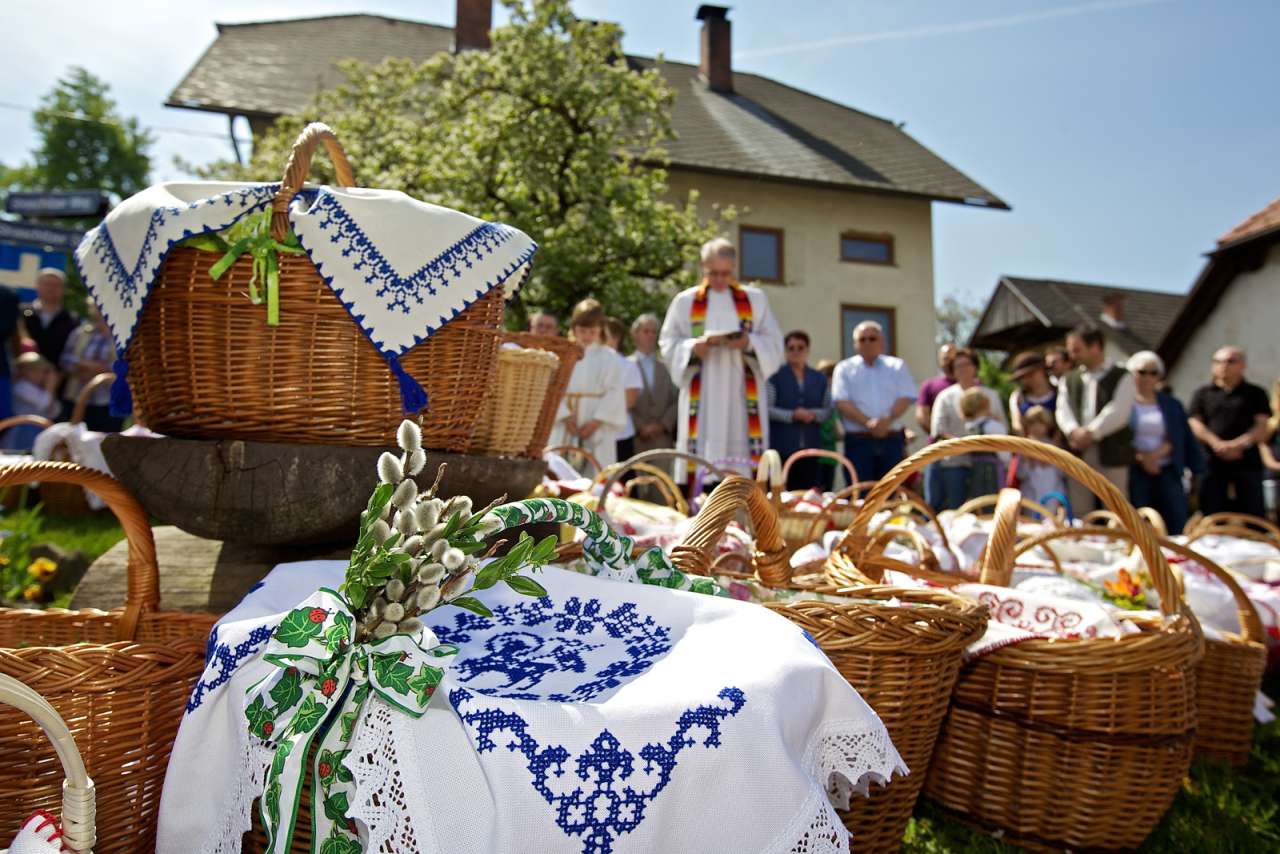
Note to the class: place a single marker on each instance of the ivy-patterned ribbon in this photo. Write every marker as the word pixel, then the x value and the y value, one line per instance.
pixel 323 683
pixel 605 552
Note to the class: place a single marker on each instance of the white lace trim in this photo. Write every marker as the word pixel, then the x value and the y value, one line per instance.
pixel 848 756
pixel 382 799
pixel 255 758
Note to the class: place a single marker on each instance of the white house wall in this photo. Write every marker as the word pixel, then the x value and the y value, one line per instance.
pixel 1247 315
pixel 817 282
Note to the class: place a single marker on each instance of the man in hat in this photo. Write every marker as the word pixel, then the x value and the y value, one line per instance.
pixel 1035 388
pixel 721 344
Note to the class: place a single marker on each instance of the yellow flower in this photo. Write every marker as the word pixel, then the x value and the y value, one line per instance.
pixel 4 560
pixel 42 568
pixel 33 593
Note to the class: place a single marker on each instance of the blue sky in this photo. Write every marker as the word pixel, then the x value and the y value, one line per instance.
pixel 1126 134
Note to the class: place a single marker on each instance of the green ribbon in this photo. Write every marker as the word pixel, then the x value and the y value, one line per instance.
pixel 265 251
pixel 324 680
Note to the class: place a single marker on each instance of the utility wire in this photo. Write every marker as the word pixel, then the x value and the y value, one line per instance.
pixel 9 105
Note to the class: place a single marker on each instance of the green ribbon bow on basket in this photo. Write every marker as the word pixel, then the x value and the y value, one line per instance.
pixel 252 234
pixel 325 680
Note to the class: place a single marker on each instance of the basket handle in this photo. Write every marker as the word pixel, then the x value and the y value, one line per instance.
pixel 997 555
pixel 973 505
pixel 1240 531
pixel 1250 625
pixel 649 457
pixel 25 421
pixel 856 538
pixel 809 453
pixel 78 797
pixel 86 395
pixel 586 455
pixel 670 491
pixel 734 493
pixel 295 171
pixel 1235 520
pixel 143 573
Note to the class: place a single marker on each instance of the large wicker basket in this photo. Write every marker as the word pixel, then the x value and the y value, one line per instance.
pixel 1078 743
pixel 900 648
pixel 204 364
pixel 511 414
pixel 120 679
pixel 1228 677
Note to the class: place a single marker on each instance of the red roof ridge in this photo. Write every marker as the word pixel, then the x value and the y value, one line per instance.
pixel 1264 220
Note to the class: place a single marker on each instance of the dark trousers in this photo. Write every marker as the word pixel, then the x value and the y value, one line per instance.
pixel 871 457
pixel 97 418
pixel 626 449
pixel 1248 487
pixel 805 474
pixel 1163 492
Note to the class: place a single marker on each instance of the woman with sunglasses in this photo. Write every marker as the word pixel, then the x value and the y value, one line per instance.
pixel 1162 442
pixel 799 403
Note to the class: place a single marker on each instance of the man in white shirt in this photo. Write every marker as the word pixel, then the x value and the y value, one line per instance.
pixel 872 391
pixel 1095 402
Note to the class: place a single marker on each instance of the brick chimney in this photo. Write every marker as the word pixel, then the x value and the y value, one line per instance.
pixel 717 64
pixel 474 20
pixel 1113 309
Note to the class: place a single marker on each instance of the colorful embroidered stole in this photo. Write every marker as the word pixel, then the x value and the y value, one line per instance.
pixel 698 322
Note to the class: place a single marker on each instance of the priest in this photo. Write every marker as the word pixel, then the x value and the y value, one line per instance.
pixel 721 344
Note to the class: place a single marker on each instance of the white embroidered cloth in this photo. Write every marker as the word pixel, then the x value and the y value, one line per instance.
pixel 606 717
pixel 401 267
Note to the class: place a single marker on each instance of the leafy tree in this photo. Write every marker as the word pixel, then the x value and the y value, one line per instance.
pixel 84 143
pixel 551 130
pixel 956 321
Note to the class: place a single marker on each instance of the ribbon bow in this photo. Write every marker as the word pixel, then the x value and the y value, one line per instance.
pixel 325 678
pixel 265 251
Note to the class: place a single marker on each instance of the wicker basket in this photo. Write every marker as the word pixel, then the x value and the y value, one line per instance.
pixel 1230 523
pixel 900 648
pixel 77 818
pixel 120 679
pixel 1079 743
pixel 1228 677
pixel 568 353
pixel 511 414
pixel 204 364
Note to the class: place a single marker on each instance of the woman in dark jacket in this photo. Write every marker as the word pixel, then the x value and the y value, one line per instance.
pixel 1163 444
pixel 799 401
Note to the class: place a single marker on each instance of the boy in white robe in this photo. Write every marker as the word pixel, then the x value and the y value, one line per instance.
pixel 594 407
pixel 737 341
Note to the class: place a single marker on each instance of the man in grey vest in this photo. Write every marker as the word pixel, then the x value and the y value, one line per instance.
pixel 1095 401
pixel 654 412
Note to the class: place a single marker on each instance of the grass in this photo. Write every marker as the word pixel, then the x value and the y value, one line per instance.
pixel 93 534
pixel 1220 810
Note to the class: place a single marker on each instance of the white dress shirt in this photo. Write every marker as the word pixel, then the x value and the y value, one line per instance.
pixel 1112 417
pixel 874 389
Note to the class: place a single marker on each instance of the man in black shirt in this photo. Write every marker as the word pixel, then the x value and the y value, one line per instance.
pixel 1230 418
pixel 46 320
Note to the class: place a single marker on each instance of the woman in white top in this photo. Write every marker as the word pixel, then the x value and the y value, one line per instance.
pixel 594 407
pixel 948 422
pixel 1162 443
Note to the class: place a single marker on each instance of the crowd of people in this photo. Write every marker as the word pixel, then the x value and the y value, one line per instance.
pixel 719 379
pixel 51 353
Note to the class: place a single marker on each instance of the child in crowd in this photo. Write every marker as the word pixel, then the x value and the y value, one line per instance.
pixel 34 393
pixel 594 408
pixel 986 469
pixel 1040 480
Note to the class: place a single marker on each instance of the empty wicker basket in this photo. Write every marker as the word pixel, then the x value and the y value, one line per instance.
pixel 511 414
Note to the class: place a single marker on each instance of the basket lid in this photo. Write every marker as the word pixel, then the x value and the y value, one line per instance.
pixel 403 268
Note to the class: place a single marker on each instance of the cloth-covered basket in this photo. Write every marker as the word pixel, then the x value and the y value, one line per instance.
pixel 120 679
pixel 513 407
pixel 1078 743
pixel 1229 675
pixel 360 339
pixel 900 648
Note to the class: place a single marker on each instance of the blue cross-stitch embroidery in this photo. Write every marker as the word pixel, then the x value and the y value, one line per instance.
pixel 525 643
pixel 607 798
pixel 128 279
pixel 221 661
pixel 437 274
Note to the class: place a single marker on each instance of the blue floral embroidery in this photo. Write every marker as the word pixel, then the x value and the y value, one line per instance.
pixel 524 643
pixel 128 280
pixel 435 275
pixel 607 802
pixel 221 661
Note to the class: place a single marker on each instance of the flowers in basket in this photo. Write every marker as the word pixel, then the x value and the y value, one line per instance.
pixel 339 649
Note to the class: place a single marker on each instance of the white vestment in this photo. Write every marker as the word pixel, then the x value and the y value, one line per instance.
pixel 595 393
pixel 722 412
